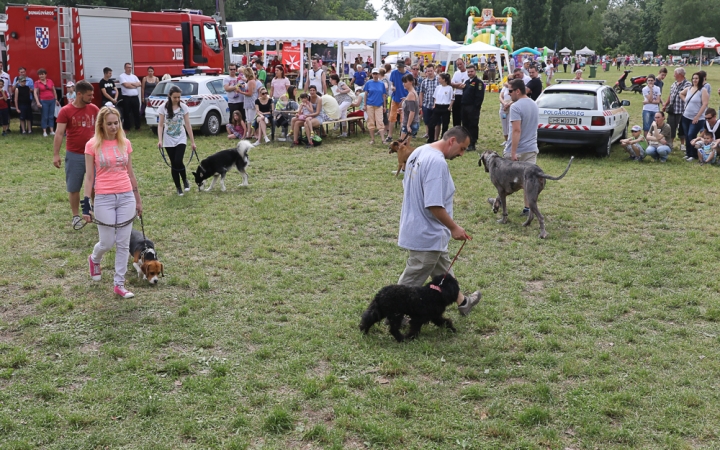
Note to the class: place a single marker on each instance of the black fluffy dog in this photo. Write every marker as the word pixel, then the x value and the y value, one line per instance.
pixel 422 304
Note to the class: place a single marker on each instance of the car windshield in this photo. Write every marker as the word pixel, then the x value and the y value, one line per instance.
pixel 186 88
pixel 557 99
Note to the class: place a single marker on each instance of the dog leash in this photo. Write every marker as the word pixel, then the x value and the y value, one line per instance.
pixel 192 152
pixel 453 262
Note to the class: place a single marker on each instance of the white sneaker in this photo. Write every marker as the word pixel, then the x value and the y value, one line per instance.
pixel 503 144
pixel 682 147
pixel 343 135
pixel 52 133
pixel 281 139
pixel 267 140
pixel 256 143
pixel 44 133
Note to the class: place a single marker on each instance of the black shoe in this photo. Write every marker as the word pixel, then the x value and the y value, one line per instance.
pixel 187 185
pixel 180 192
pixel 471 148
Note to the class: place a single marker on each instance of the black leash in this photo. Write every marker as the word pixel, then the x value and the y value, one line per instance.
pixel 192 152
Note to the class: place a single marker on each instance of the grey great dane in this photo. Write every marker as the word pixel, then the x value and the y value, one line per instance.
pixel 511 176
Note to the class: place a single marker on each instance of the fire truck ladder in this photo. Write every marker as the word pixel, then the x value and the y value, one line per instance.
pixel 67 50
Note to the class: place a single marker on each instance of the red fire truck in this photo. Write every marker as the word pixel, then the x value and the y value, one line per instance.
pixel 77 43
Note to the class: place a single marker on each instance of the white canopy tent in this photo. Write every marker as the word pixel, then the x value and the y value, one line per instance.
pixel 481 48
pixel 585 51
pixel 352 51
pixel 565 51
pixel 422 38
pixel 308 32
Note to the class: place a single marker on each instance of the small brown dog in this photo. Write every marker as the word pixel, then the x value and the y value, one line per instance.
pixel 403 151
pixel 145 259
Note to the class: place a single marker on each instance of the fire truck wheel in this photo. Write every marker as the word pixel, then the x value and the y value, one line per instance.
pixel 211 127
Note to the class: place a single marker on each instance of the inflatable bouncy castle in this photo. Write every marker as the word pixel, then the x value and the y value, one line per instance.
pixel 485 27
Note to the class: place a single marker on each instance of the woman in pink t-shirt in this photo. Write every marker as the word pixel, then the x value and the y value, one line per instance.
pixel 46 99
pixel 109 169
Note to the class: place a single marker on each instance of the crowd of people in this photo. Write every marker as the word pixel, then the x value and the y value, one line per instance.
pixel 685 113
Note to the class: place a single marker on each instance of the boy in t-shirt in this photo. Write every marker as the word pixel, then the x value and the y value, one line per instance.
pixel 635 145
pixel 4 109
pixel 707 153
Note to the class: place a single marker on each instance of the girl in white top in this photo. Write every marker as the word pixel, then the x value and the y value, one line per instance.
pixel 443 98
pixel 173 117
pixel 505 102
pixel 549 72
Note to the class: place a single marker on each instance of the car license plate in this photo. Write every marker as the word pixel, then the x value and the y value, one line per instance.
pixel 562 120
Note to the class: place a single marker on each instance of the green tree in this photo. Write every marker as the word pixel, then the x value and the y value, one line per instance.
pixel 650 19
pixel 686 19
pixel 620 24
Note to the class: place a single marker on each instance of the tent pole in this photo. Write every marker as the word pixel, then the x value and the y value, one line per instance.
pixel 339 59
pixel 265 61
pixel 301 76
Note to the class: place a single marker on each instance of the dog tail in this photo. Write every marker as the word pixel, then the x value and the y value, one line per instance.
pixel 370 317
pixel 548 177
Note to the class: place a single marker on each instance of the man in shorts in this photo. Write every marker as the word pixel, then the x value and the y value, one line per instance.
pixel 426 217
pixel 77 119
pixel 522 143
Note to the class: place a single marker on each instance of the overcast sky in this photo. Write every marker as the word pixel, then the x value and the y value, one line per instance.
pixel 377 4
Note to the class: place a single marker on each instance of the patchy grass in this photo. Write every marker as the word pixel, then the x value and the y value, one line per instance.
pixel 604 336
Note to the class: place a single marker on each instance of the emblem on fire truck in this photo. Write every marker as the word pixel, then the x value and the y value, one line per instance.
pixel 42 37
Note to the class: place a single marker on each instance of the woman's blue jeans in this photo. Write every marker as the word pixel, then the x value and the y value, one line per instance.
pixel 691 132
pixel 47 114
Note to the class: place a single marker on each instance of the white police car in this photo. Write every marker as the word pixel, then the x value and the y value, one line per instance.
pixel 202 94
pixel 586 113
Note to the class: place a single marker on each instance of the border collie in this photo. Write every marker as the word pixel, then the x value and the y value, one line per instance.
pixel 217 165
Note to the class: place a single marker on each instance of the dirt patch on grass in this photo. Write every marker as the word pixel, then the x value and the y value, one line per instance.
pixel 534 286
pixel 14 312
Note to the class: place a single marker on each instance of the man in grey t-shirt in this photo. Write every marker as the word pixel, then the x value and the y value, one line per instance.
pixel 426 223
pixel 522 145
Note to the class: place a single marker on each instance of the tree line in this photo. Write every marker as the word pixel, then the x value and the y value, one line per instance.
pixel 612 26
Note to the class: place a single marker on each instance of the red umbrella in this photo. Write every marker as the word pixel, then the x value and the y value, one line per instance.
pixel 699 43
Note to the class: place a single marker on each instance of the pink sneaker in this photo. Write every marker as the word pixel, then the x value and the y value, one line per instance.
pixel 95 272
pixel 122 292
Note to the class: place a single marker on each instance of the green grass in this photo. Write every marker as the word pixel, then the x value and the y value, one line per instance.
pixel 605 335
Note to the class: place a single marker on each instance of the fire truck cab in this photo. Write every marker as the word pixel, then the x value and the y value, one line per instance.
pixel 77 43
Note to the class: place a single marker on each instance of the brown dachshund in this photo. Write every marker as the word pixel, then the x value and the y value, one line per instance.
pixel 403 151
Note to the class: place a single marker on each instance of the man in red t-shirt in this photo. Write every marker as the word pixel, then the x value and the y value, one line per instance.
pixel 77 119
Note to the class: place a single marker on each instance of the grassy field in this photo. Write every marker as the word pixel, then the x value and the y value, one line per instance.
pixel 605 335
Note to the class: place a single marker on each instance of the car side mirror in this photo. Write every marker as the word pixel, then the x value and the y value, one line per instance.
pixel 625 103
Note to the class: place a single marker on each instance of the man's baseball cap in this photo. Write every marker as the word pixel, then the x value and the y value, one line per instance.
pixel 376 70
pixel 636 128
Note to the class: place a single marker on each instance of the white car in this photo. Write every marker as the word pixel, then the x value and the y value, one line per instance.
pixel 584 113
pixel 202 94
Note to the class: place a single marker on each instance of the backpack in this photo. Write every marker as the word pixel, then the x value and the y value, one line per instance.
pixel 317 140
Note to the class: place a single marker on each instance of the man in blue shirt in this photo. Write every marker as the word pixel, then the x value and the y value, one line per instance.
pixel 359 76
pixel 397 97
pixel 375 101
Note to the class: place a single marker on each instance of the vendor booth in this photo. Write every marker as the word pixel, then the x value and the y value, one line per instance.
pixel 305 33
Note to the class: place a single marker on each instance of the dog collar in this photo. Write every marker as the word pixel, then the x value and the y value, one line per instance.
pixel 437 288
